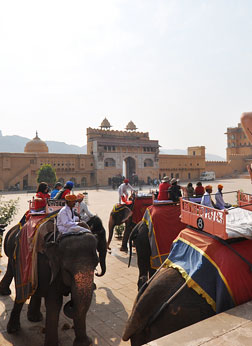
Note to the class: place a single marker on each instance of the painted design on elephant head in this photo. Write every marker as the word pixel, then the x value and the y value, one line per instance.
pixel 83 281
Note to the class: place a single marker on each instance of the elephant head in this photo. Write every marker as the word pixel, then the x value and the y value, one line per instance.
pixel 117 217
pixel 72 261
pixel 166 306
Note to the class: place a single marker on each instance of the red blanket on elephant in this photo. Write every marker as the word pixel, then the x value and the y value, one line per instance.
pixel 140 205
pixel 164 225
pixel 212 269
pixel 25 281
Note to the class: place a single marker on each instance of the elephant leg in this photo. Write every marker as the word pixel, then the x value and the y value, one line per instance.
pixel 126 234
pixel 84 301
pixel 14 322
pixel 6 281
pixel 143 256
pixel 33 313
pixel 53 302
pixel 111 226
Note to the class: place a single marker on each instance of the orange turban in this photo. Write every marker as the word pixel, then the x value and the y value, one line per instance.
pixel 80 196
pixel 220 186
pixel 208 187
pixel 71 198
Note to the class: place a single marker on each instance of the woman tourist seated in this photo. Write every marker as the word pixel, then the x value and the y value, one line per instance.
pixel 190 190
pixel 199 190
pixel 163 189
pixel 41 197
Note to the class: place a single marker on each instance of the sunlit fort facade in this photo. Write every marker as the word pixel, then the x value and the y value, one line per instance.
pixel 112 152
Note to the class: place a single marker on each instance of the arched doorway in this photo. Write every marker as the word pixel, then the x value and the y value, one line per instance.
pixel 83 181
pixel 129 167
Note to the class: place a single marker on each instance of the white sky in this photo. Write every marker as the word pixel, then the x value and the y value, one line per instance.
pixel 179 69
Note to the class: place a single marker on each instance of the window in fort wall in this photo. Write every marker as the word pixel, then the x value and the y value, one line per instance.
pixel 109 162
pixel 148 163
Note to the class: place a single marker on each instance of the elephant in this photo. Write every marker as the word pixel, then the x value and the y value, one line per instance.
pixel 142 236
pixel 123 215
pixel 129 214
pixel 148 322
pixel 65 266
pixel 195 282
pixel 139 236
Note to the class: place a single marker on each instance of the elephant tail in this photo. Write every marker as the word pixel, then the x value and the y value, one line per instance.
pixel 9 241
pixel 133 235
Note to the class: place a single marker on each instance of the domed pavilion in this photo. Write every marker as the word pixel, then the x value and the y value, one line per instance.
pixel 36 145
pixel 131 126
pixel 105 124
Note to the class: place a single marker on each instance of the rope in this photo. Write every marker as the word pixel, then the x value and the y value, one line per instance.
pixel 240 206
pixel 54 229
pixel 164 305
pixel 146 284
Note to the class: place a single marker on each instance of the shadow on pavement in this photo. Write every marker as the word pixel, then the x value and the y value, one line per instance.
pixel 123 256
pixel 106 320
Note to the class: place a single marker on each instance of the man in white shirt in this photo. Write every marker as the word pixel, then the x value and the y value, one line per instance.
pixel 84 213
pixel 220 204
pixel 206 198
pixel 123 191
pixel 66 218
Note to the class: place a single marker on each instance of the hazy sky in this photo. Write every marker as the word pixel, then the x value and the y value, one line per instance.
pixel 179 69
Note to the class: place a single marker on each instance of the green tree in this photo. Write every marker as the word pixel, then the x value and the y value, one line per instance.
pixel 47 174
pixel 8 209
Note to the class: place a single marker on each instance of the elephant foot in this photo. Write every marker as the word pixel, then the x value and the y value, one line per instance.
pixel 34 317
pixel 13 327
pixel 124 249
pixel 87 342
pixel 4 291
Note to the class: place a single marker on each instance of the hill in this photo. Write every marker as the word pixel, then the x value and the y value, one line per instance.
pixel 16 144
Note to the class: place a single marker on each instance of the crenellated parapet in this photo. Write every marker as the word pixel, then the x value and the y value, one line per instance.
pixel 92 133
pixel 217 162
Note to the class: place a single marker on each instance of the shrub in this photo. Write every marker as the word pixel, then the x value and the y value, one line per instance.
pixel 47 174
pixel 8 209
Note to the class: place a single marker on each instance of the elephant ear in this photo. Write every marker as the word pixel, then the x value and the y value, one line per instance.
pixel 52 253
pixel 127 213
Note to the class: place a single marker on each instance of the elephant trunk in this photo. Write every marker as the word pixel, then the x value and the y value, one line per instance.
pixel 102 259
pixel 81 291
pixel 111 226
pixel 102 250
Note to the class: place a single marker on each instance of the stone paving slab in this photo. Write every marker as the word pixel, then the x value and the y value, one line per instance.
pixel 232 327
pixel 116 290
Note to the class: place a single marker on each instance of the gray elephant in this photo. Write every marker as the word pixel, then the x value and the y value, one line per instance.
pixel 139 236
pixel 66 266
pixel 147 323
pixel 150 253
pixel 122 214
pixel 195 282
pixel 129 214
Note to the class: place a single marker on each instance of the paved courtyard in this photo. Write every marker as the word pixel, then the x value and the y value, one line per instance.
pixel 116 290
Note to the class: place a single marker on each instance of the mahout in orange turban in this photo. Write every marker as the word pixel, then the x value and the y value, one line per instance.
pixel 71 198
